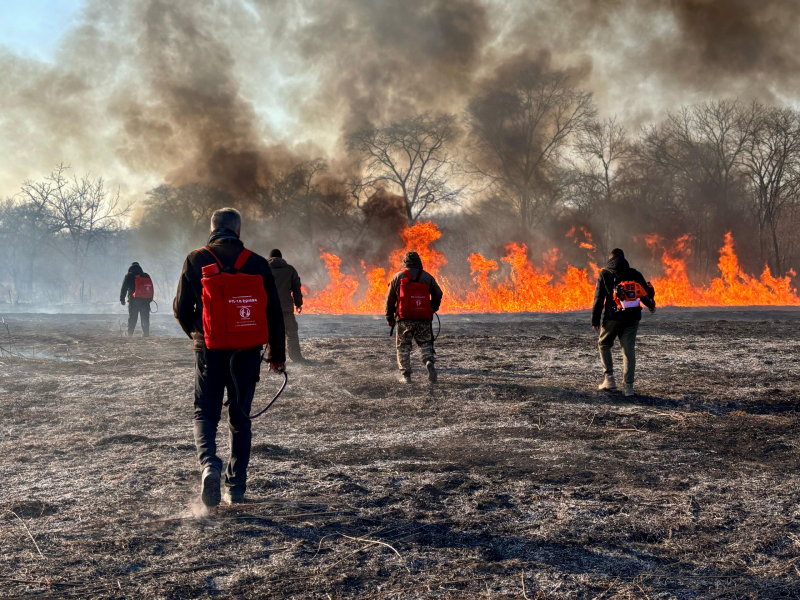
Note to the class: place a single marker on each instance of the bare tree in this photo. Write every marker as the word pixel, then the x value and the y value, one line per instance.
pixel 294 195
pixel 519 124
pixel 697 152
pixel 411 157
pixel 310 201
pixel 772 164
pixel 600 153
pixel 72 215
pixel 27 234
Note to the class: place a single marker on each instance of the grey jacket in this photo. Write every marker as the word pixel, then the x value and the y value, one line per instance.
pixel 288 283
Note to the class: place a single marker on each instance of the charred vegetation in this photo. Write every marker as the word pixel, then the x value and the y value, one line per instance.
pixel 512 471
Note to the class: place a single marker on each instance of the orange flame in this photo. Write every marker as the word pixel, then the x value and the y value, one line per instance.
pixel 337 297
pixel 733 288
pixel 518 286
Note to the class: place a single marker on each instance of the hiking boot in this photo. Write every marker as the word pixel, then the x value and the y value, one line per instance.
pixel 209 488
pixel 629 390
pixel 431 371
pixel 405 378
pixel 608 384
pixel 233 497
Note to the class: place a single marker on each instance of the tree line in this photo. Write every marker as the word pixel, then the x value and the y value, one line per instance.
pixel 527 160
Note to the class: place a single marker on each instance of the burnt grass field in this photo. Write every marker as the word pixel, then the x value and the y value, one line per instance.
pixel 511 478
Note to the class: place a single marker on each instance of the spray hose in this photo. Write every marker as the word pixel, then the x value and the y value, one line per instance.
pixel 156 303
pixel 236 387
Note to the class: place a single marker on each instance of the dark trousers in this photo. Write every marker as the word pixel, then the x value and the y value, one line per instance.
pixel 292 337
pixel 626 332
pixel 212 378
pixel 136 307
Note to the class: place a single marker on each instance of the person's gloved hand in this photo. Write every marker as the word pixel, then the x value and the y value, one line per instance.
pixel 652 307
pixel 277 367
pixel 596 328
pixel 299 310
pixel 390 322
pixel 122 302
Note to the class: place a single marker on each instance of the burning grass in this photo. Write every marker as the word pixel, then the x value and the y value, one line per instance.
pixel 511 472
pixel 531 289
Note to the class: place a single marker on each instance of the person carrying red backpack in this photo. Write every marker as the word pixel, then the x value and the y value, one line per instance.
pixel 413 297
pixel 138 288
pixel 228 305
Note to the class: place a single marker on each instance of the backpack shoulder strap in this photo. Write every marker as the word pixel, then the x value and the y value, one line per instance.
pixel 407 273
pixel 242 259
pixel 207 249
pixel 609 282
pixel 419 276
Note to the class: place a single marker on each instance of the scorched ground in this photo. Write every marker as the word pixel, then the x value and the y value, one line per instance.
pixel 511 472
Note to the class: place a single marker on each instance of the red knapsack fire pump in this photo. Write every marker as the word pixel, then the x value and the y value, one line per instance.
pixel 235 312
pixel 414 299
pixel 143 288
pixel 234 306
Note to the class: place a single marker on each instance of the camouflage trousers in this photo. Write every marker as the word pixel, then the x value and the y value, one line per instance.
pixel 409 332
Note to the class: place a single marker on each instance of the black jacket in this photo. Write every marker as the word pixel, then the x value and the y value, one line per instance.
pixel 616 271
pixel 129 282
pixel 188 303
pixel 394 289
pixel 287 281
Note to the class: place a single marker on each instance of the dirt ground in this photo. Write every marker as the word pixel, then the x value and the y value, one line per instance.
pixel 511 478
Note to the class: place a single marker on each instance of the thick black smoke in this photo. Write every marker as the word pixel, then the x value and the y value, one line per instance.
pixel 146 91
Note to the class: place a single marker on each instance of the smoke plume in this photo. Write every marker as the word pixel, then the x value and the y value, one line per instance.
pixel 146 91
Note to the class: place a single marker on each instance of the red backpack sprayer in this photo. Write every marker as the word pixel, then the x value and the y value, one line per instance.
pixel 235 314
pixel 143 288
pixel 414 302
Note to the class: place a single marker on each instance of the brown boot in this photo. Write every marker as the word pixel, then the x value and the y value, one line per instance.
pixel 608 384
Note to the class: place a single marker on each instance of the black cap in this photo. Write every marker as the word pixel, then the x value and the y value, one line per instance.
pixel 617 253
pixel 275 253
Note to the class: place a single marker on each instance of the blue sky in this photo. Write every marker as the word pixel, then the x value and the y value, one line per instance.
pixel 33 27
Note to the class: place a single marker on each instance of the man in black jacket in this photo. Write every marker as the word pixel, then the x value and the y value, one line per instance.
pixel 291 295
pixel 413 330
pixel 136 306
pixel 213 367
pixel 618 323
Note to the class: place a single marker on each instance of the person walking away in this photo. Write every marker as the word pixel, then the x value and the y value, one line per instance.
pixel 287 281
pixel 620 316
pixel 138 288
pixel 413 297
pixel 215 369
